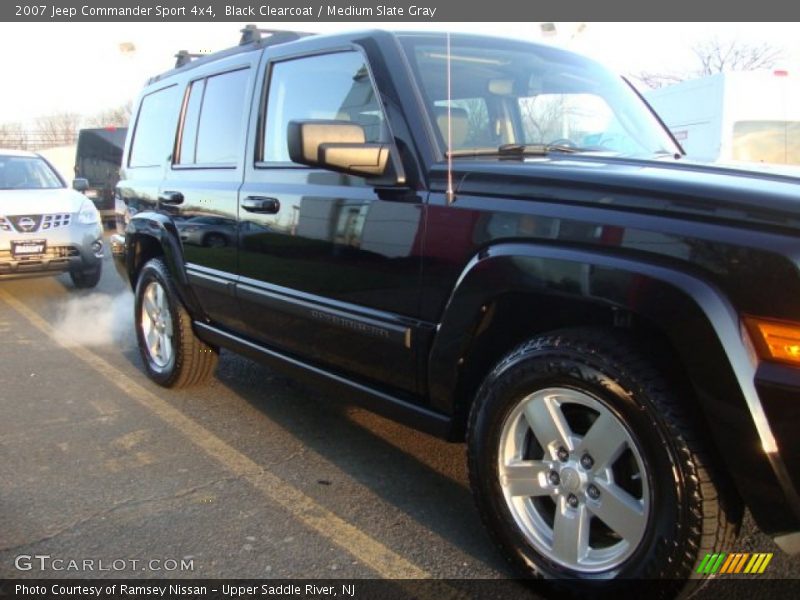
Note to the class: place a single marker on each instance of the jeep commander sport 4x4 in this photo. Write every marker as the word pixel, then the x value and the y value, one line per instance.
pixel 496 242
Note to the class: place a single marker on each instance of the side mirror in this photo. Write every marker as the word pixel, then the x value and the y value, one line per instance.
pixel 337 146
pixel 80 184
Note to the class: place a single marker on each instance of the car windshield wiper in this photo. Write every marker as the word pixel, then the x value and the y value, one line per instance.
pixel 514 150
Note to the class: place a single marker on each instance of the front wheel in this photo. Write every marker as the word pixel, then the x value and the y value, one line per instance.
pixel 173 355
pixel 586 467
pixel 86 278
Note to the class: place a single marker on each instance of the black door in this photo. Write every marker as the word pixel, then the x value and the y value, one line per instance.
pixel 201 189
pixel 329 272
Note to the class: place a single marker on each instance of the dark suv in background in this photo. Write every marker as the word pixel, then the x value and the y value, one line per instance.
pixel 98 156
pixel 496 242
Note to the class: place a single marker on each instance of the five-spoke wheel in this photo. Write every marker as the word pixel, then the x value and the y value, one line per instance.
pixel 156 324
pixel 571 475
pixel 173 355
pixel 585 465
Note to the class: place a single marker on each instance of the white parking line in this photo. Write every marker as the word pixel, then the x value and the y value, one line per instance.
pixel 305 509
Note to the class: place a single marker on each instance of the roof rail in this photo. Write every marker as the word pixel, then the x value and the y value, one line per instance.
pixel 252 33
pixel 184 57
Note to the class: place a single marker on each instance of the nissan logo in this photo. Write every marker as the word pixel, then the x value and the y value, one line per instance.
pixel 26 224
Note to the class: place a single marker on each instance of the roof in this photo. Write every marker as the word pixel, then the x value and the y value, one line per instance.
pixel 9 152
pixel 308 41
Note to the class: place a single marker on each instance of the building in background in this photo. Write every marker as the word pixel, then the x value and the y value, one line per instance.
pixel 743 118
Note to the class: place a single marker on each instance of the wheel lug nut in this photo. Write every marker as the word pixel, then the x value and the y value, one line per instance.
pixel 593 492
pixel 562 454
pixel 587 462
pixel 554 478
pixel 572 500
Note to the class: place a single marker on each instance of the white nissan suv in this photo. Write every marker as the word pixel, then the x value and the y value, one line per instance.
pixel 46 228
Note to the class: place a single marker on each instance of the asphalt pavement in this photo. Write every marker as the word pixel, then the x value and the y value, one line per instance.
pixel 253 475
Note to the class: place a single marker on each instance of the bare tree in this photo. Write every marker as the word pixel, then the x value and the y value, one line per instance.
pixel 548 117
pixel 717 56
pixel 58 129
pixel 119 116
pixel 13 136
pixel 655 80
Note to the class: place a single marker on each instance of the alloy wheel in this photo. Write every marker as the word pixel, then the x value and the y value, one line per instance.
pixel 574 480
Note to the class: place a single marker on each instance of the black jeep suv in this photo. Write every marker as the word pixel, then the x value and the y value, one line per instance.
pixel 496 242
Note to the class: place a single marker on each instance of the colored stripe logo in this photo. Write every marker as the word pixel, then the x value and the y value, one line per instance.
pixel 735 563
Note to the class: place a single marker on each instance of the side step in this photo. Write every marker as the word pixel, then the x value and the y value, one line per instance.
pixel 368 397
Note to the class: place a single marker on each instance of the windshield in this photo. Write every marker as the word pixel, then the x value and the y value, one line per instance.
pixel 26 173
pixel 504 92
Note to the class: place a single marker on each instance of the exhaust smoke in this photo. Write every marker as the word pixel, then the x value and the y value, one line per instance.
pixel 96 320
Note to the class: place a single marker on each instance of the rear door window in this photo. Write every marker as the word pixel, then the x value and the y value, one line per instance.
pixel 213 131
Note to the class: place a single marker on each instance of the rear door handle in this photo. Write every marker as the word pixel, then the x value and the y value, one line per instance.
pixel 170 198
pixel 261 204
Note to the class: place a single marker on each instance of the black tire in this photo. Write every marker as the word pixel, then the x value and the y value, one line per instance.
pixel 84 279
pixel 689 509
pixel 190 361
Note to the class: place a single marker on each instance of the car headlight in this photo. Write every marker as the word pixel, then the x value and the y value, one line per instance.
pixel 88 214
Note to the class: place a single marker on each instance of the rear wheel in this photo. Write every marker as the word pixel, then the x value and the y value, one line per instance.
pixel 586 467
pixel 173 355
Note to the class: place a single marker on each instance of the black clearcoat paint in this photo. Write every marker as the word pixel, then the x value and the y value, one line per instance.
pixel 410 298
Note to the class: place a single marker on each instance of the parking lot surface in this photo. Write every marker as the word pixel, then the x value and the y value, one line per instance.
pixel 251 476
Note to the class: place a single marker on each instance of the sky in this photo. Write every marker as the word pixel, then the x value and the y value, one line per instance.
pixel 89 67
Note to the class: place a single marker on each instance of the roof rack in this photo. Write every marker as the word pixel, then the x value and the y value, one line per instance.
pixel 252 33
pixel 184 57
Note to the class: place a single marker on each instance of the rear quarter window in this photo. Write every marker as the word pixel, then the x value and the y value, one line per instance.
pixel 155 128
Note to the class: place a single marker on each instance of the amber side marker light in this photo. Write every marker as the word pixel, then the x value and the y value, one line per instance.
pixel 775 340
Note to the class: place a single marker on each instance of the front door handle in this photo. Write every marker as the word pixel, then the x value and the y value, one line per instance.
pixel 261 204
pixel 170 198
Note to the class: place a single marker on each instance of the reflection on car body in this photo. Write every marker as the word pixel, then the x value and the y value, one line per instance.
pixel 208 231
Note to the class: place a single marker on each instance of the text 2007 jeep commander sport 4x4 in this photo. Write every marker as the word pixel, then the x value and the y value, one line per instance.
pixel 496 242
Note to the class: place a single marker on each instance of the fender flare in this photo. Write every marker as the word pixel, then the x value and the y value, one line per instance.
pixel 160 228
pixel 695 316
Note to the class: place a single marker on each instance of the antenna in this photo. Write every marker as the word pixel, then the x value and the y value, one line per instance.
pixel 449 194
